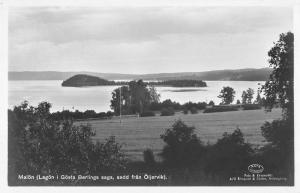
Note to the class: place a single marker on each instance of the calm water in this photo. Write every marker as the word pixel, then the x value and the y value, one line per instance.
pixel 98 98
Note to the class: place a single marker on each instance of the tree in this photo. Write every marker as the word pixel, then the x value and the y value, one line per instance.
pixel 280 86
pixel 40 145
pixel 258 99
pixel 183 147
pixel 211 103
pixel 154 96
pixel 116 103
pixel 135 98
pixel 279 90
pixel 247 96
pixel 227 95
pixel 229 156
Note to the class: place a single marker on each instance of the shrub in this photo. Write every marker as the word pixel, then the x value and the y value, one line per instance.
pixel 149 157
pixel 183 148
pixel 251 106
pixel 48 147
pixel 167 112
pixel 220 109
pixel 201 105
pixel 147 114
pixel 211 103
pixel 185 111
pixel 229 156
pixel 194 110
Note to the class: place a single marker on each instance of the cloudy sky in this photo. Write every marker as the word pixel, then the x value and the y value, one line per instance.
pixel 144 39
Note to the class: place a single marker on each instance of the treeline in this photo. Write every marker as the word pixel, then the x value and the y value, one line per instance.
pixel 78 115
pixel 180 83
pixel 157 106
pixel 165 108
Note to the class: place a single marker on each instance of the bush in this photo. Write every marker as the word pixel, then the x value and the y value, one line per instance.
pixel 147 114
pixel 185 111
pixel 211 103
pixel 229 156
pixel 194 110
pixel 167 112
pixel 183 148
pixel 220 109
pixel 149 157
pixel 251 106
pixel 201 105
pixel 48 147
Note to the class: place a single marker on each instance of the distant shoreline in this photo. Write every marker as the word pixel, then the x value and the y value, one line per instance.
pixel 246 74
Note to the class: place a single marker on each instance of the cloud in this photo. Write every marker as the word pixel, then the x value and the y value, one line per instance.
pixel 103 38
pixel 59 25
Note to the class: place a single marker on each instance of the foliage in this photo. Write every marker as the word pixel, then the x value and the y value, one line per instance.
pixel 181 83
pixel 194 110
pixel 211 103
pixel 149 157
pixel 167 112
pixel 230 155
pixel 191 105
pixel 154 95
pixel 247 96
pixel 279 87
pixel 76 115
pixel 170 104
pixel 279 133
pixel 227 95
pixel 157 106
pixel 147 114
pixel 258 99
pixel 220 109
pixel 183 148
pixel 251 106
pixel 135 98
pixel 45 146
pixel 238 102
pixel 185 111
pixel 279 90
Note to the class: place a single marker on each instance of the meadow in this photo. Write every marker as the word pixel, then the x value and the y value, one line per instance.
pixel 137 134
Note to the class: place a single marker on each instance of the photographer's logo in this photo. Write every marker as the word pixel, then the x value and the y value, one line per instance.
pixel 255 168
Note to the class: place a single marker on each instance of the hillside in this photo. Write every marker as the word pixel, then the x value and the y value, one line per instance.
pixel 81 80
pixel 248 74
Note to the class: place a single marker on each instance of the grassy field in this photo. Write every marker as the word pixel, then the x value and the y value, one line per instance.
pixel 138 134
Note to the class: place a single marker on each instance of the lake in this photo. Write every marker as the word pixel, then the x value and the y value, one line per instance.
pixel 98 98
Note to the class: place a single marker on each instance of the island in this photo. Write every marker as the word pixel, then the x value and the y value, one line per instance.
pixel 180 83
pixel 83 80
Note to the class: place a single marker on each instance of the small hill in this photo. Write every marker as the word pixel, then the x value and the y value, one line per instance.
pixel 81 80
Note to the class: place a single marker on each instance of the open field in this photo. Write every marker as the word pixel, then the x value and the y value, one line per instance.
pixel 138 134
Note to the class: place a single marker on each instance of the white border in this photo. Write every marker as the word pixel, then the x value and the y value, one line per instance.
pixel 87 3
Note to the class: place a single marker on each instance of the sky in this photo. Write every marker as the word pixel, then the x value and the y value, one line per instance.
pixel 140 40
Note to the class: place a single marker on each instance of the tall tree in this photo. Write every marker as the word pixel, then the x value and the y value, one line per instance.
pixel 279 87
pixel 227 95
pixel 247 96
pixel 135 98
pixel 258 99
pixel 279 90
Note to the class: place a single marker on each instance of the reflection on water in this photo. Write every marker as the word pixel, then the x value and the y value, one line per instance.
pixel 98 98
